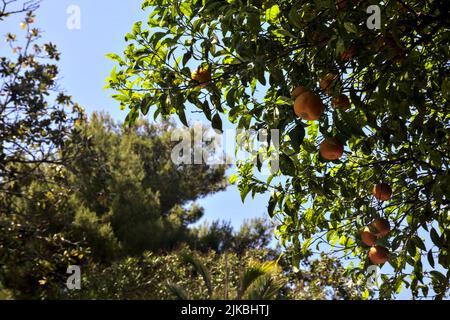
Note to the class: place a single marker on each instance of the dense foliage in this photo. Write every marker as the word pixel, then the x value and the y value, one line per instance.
pixel 102 211
pixel 186 274
pixel 396 130
pixel 36 116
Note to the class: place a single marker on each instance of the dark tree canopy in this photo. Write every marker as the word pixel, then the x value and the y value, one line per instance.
pixel 385 93
pixel 36 116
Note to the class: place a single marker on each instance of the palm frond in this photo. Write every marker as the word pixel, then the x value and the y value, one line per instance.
pixel 265 287
pixel 249 276
pixel 177 291
pixel 253 272
pixel 200 268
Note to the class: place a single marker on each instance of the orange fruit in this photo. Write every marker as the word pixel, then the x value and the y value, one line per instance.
pixel 382 227
pixel 202 75
pixel 308 106
pixel 382 191
pixel 378 255
pixel 319 38
pixel 400 57
pixel 327 83
pixel 380 43
pixel 341 102
pixel 341 4
pixel 367 237
pixel 298 91
pixel 331 149
pixel 349 53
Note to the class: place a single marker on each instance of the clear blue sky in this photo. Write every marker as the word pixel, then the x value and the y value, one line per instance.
pixel 84 68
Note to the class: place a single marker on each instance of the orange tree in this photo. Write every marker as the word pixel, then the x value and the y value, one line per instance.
pixel 385 93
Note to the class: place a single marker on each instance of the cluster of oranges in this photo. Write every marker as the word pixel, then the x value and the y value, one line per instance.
pixel 378 228
pixel 309 106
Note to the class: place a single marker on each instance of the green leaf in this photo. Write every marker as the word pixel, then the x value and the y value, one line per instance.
pixel 146 102
pixel 340 46
pixel 185 8
pixel 411 248
pixel 129 36
pixel 156 37
pixel 439 277
pixel 137 28
pixel 365 295
pixel 272 203
pixel 231 100
pixel 349 122
pixel 419 243
pixel 272 13
pixel 430 258
pixel 182 116
pixel 287 166
pixel 398 285
pixel 350 27
pixel 186 58
pixel 113 56
pixel 425 291
pixel 435 237
pixel 294 18
pixel 282 32
pixel 244 190
pixel 297 134
pixel 306 245
pixel 217 122
pixel 233 178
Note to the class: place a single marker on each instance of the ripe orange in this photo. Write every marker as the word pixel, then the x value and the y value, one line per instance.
pixel 380 43
pixel 382 191
pixel 298 91
pixel 327 83
pixel 367 237
pixel 341 4
pixel 319 38
pixel 202 75
pixel 331 149
pixel 382 227
pixel 400 57
pixel 308 106
pixel 378 255
pixel 349 53
pixel 341 102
